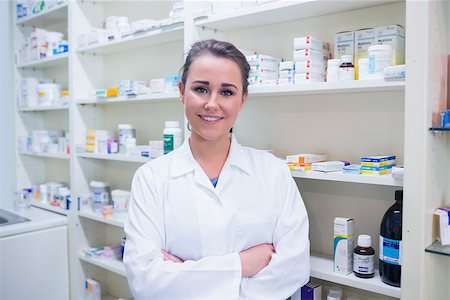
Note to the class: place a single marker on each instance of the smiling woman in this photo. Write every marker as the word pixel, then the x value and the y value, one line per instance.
pixel 213 219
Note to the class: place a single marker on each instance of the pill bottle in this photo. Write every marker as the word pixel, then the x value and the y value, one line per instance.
pixel 379 57
pixel 334 293
pixel 363 257
pixel 363 69
pixel 346 69
pixel 172 136
pixel 99 195
pixel 125 131
pixel 333 70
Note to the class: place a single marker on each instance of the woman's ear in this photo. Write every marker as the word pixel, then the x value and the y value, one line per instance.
pixel 244 100
pixel 181 88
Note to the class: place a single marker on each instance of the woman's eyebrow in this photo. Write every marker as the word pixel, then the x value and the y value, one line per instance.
pixel 228 85
pixel 201 81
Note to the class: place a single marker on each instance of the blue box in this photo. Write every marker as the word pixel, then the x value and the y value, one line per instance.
pixel 308 292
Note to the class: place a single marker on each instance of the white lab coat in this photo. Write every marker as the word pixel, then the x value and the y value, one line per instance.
pixel 175 207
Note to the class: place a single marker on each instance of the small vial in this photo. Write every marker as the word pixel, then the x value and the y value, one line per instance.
pixel 333 70
pixel 363 257
pixel 334 293
pixel 346 69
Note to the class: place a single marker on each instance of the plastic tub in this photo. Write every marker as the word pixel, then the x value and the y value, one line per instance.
pixel 99 195
pixel 379 57
pixel 120 200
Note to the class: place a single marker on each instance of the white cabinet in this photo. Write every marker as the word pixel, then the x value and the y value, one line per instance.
pixel 345 120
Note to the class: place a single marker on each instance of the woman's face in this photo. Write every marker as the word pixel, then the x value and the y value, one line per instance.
pixel 212 96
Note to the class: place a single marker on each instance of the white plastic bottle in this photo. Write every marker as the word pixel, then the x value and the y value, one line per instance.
pixel 173 136
pixel 334 293
pixel 347 69
pixel 333 70
pixel 379 58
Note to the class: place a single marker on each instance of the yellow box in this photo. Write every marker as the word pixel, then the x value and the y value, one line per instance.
pixel 112 91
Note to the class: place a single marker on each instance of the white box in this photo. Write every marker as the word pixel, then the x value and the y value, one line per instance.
pixel 312 66
pixel 286 65
pixel 310 42
pixel 305 158
pixel 344 43
pixel 443 229
pixel 92 290
pixel 364 38
pixel 309 77
pixel 310 54
pixel 328 166
pixel 393 35
pixel 343 240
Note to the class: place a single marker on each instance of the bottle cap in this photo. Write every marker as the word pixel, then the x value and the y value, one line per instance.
pixel 172 124
pixel 335 292
pixel 346 59
pixel 334 62
pixel 125 126
pixel 364 240
pixel 399 195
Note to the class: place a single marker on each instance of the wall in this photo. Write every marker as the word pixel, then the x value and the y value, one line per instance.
pixel 6 111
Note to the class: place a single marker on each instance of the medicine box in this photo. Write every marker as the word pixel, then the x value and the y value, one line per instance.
pixel 286 65
pixel 310 54
pixel 92 289
pixel 443 225
pixel 308 292
pixel 343 240
pixel 305 158
pixel 310 42
pixel 312 66
pixel 376 170
pixel 377 158
pixel 328 166
pixel 344 44
pixel 364 38
pixel 308 77
pixel 393 35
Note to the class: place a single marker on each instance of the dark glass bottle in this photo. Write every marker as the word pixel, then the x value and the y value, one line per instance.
pixel 390 242
pixel 363 257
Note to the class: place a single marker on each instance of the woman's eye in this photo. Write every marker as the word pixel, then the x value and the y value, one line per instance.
pixel 200 90
pixel 227 93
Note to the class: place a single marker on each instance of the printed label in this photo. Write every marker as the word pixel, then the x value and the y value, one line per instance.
pixel 363 264
pixel 390 251
pixel 168 143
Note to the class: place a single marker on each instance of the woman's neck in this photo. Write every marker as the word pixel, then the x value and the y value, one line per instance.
pixel 211 155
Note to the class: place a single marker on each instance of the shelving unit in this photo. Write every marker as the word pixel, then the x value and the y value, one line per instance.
pixel 386 180
pixel 49 62
pixel 49 207
pixel 116 157
pixel 114 266
pixel 321 268
pixel 44 108
pixel 47 155
pixel 346 120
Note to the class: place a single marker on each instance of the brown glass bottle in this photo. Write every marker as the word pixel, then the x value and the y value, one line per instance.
pixel 364 257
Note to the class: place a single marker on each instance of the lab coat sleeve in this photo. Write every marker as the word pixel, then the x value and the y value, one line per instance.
pixel 289 268
pixel 149 276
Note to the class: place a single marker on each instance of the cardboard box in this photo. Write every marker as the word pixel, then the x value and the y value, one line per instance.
pixel 393 35
pixel 343 245
pixel 364 38
pixel 344 44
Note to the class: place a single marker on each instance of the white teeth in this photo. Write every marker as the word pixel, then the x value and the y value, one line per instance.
pixel 210 119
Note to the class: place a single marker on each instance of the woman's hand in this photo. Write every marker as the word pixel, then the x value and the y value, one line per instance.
pixel 168 256
pixel 255 259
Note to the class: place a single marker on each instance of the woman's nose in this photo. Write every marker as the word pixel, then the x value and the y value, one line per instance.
pixel 211 103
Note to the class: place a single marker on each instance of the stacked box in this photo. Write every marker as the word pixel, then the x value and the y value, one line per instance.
pixel 393 35
pixel 263 69
pixel 287 71
pixel 310 56
pixel 303 162
pixel 364 38
pixel 377 165
pixel 344 44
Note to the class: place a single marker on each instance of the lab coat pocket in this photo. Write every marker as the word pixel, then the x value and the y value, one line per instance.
pixel 253 227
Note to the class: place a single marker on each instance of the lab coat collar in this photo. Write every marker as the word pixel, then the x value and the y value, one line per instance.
pixel 184 162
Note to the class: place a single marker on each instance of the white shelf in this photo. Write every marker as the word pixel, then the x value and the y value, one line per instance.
pixel 387 180
pixel 115 157
pixel 165 97
pixel 108 297
pixel 44 108
pixel 153 37
pixel 280 11
pixel 49 207
pixel 50 16
pixel 46 155
pixel 97 217
pixel 114 266
pixel 49 62
pixel 322 268
pixel 357 86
